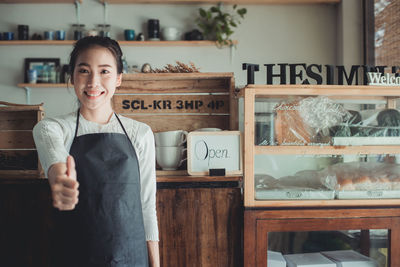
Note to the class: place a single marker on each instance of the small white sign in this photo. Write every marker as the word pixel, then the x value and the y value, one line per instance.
pixel 214 150
pixel 387 79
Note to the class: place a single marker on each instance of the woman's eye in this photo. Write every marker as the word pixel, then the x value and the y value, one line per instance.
pixel 83 71
pixel 105 71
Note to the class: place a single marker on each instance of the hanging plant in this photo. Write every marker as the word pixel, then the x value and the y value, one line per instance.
pixel 217 25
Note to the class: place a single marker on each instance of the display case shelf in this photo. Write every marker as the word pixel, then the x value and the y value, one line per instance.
pixel 326 150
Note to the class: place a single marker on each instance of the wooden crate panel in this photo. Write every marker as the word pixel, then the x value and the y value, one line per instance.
pixel 171 103
pixel 16 140
pixel 18 160
pixel 166 86
pixel 159 123
pixel 18 120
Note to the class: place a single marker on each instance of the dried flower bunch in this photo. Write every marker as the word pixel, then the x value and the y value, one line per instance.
pixel 178 68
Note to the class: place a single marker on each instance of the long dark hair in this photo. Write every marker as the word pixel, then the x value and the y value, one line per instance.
pixel 91 41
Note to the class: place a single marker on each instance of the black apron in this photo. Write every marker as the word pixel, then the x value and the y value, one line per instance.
pixel 106 227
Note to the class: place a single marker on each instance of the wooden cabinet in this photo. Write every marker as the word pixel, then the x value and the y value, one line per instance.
pixel 200 222
pixel 263 216
pixel 260 222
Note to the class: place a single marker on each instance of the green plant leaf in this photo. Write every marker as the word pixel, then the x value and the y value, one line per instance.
pixel 233 24
pixel 234 6
pixel 202 12
pixel 214 9
pixel 242 11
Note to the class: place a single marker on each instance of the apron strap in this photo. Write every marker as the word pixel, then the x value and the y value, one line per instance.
pixel 123 128
pixel 77 123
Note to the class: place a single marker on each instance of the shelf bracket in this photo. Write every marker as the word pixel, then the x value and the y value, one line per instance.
pixel 78 11
pixel 28 95
pixel 105 12
pixel 232 50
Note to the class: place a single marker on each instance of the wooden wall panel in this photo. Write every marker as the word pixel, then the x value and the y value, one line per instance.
pixel 188 85
pixel 16 139
pixel 18 160
pixel 159 123
pixel 18 120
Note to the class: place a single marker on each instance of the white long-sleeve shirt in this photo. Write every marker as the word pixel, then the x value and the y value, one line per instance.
pixel 54 136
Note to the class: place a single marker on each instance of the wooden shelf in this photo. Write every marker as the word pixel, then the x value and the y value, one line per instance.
pixel 43 85
pixel 351 92
pixel 196 179
pixel 302 203
pixel 122 43
pixel 38 1
pixel 261 2
pixel 326 150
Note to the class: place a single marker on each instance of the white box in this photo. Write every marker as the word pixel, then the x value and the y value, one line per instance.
pixel 308 260
pixel 275 259
pixel 350 258
pixel 370 194
pixel 288 194
pixel 366 141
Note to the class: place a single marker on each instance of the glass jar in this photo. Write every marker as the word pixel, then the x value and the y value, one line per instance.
pixel 104 30
pixel 79 30
pixel 107 30
pixel 264 133
pixel 100 29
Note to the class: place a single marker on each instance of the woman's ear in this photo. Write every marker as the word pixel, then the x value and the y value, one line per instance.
pixel 71 78
pixel 119 79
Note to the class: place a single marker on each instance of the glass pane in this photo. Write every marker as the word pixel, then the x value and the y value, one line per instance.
pixel 368 245
pixel 288 177
pixel 325 120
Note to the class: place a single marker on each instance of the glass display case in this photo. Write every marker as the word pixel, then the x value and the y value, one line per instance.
pixel 330 145
pixel 321 159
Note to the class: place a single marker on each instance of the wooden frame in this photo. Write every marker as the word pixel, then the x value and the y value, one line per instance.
pixel 258 223
pixel 229 149
pixel 37 63
pixel 251 92
pixel 16 140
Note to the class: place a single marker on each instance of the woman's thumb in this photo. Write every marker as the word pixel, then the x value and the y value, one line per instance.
pixel 70 166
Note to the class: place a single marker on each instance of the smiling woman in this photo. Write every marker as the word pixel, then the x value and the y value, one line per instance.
pixel 106 212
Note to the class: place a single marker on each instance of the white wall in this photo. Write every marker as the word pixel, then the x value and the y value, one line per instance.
pixel 269 34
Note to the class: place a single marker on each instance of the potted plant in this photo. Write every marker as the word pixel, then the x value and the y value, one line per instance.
pixel 217 25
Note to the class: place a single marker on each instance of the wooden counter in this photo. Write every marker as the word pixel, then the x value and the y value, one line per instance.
pixel 200 221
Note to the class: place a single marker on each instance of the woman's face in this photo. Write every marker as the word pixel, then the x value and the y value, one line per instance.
pixel 95 78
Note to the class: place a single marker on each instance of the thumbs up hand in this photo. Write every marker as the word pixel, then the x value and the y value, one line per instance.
pixel 64 185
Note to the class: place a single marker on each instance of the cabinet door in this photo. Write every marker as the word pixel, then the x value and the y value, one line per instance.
pixel 200 226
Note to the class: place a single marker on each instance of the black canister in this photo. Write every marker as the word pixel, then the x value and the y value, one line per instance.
pixel 153 27
pixel 23 32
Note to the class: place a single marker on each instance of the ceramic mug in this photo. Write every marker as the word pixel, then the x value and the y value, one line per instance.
pixel 129 35
pixel 60 35
pixel 170 157
pixel 171 34
pixel 208 130
pixel 170 138
pixel 8 36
